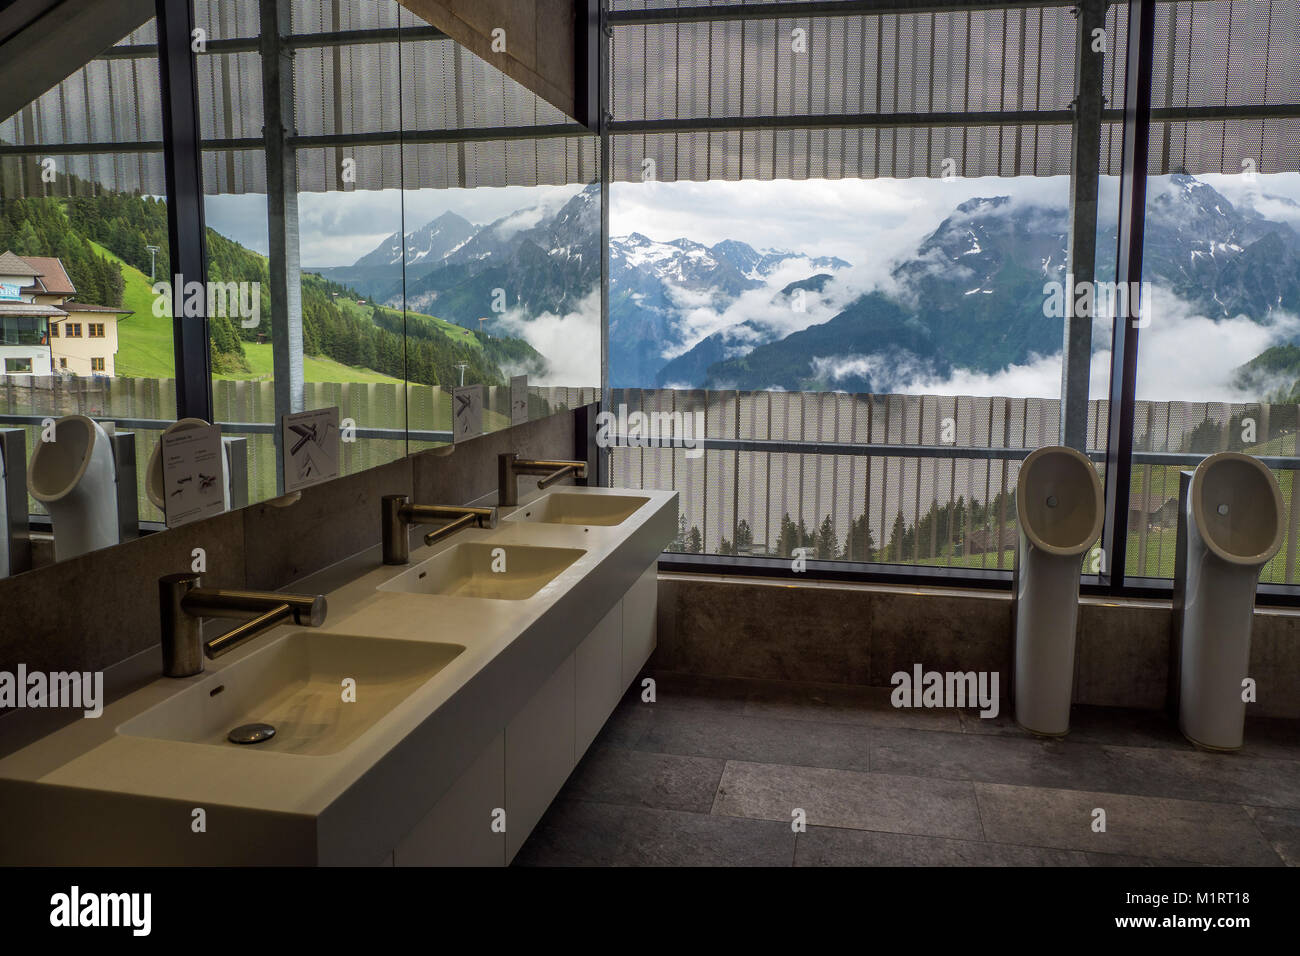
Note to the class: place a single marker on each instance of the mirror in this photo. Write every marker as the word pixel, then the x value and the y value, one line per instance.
pixel 413 251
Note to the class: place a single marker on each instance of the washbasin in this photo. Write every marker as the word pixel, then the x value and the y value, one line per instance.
pixel 505 572
pixel 296 685
pixel 565 508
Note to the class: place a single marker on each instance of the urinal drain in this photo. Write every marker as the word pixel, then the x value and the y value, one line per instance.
pixel 251 734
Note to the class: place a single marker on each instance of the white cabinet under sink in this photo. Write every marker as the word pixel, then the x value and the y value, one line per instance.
pixel 598 666
pixel 459 830
pixel 539 754
pixel 640 611
pixel 527 764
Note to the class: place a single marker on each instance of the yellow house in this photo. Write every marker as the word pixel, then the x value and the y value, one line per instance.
pixel 83 338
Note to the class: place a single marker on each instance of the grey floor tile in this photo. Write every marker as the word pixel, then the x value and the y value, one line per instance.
pixel 1209 777
pixel 1272 737
pixel 1003 724
pixel 1128 727
pixel 843 703
pixel 1281 828
pixel 1125 727
pixel 626 725
pixel 666 781
pixel 1120 860
pixel 577 833
pixel 1135 826
pixel 826 846
pixel 808 743
pixel 1024 761
pixel 843 798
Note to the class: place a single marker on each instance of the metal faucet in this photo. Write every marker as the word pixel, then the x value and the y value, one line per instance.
pixel 396 512
pixel 184 602
pixel 510 466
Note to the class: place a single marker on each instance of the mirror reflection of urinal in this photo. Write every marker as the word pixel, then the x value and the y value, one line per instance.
pixel 74 477
pixel 1234 521
pixel 1059 506
pixel 153 482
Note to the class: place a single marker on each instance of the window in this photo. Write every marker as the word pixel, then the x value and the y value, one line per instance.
pixel 97 365
pixel 74 330
pixel 54 330
pixel 18 365
pixel 95 330
pixel 63 363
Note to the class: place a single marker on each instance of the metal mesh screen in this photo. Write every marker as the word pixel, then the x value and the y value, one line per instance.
pixel 113 99
pixel 873 94
pixel 925 500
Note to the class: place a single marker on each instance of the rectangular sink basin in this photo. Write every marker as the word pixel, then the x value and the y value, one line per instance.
pixel 563 508
pixel 505 572
pixel 296 686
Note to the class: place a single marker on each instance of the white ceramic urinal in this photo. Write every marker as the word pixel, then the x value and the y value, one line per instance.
pixel 1059 506
pixel 75 478
pixel 153 480
pixel 1234 522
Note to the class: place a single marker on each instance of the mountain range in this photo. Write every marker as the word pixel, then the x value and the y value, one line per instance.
pixel 970 296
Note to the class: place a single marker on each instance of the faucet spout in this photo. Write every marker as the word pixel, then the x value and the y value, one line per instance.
pixel 185 602
pixel 396 512
pixel 510 466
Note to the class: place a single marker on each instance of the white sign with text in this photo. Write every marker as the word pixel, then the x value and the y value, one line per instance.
pixel 466 412
pixel 193 476
pixel 310 443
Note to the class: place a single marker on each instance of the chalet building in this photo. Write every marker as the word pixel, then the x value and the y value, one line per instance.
pixel 44 330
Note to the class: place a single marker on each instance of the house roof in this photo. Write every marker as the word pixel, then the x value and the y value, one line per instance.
pixel 71 307
pixel 27 310
pixel 52 277
pixel 12 265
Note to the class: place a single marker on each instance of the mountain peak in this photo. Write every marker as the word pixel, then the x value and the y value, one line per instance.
pixel 983 204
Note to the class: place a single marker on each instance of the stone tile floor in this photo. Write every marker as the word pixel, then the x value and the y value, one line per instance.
pixel 711 772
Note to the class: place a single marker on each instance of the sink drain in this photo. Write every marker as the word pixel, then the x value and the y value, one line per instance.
pixel 251 734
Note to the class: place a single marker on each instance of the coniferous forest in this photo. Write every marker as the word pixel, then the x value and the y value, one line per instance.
pixel 416 348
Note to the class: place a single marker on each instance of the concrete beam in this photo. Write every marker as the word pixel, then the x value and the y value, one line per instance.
pixel 282 214
pixel 1081 251
pixel 535 46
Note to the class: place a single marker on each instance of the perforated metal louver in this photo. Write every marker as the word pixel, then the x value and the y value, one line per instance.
pixel 721 94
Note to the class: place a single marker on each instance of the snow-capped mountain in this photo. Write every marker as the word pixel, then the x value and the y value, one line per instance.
pixel 428 244
pixel 971 296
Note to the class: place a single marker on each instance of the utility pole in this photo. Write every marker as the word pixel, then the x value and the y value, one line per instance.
pixel 153 263
pixel 462 366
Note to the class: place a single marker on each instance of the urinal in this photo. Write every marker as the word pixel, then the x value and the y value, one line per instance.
pixel 1233 521
pixel 1059 506
pixel 153 481
pixel 75 479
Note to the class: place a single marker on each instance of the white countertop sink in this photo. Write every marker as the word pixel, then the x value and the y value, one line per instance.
pixel 297 685
pixel 563 507
pixel 504 572
pixel 443 653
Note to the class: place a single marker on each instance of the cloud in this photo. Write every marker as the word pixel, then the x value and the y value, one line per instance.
pixel 1183 356
pixel 569 342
